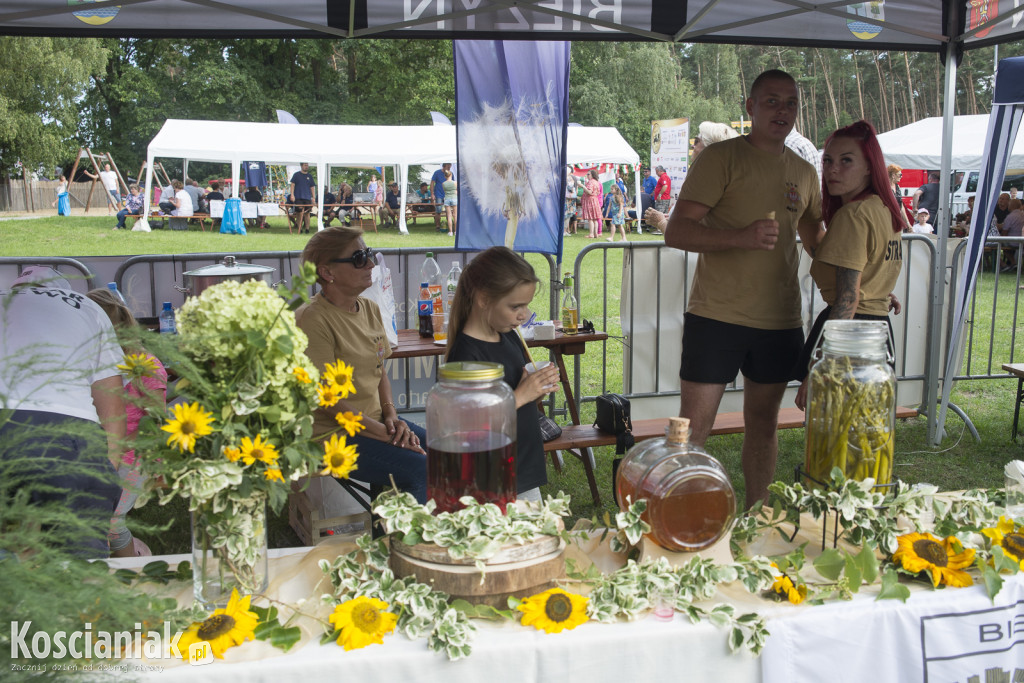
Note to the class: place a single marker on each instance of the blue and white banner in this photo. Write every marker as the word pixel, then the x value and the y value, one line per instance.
pixel 511 110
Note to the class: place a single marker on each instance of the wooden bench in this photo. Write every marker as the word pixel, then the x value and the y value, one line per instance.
pixel 1017 370
pixel 201 217
pixel 579 439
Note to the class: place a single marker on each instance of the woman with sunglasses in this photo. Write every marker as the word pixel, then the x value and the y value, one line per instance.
pixel 343 325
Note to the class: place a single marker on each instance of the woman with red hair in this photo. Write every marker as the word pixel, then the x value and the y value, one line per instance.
pixel 859 258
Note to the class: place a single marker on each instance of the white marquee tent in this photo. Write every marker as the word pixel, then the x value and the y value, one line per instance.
pixel 917 145
pixel 324 146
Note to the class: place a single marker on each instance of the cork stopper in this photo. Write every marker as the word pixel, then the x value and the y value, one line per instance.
pixel 771 215
pixel 678 430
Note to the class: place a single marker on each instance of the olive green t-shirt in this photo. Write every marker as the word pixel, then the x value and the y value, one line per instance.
pixel 356 338
pixel 860 237
pixel 741 183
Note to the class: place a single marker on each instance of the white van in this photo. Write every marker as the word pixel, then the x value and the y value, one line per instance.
pixel 965 184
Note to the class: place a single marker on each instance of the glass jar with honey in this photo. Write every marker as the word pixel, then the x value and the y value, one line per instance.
pixel 690 500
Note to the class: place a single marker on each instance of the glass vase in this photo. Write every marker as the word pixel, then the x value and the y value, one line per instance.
pixel 229 551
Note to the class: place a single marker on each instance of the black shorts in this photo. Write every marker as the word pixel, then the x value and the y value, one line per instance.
pixel 714 352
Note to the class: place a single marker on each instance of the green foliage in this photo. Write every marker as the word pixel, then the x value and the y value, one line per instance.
pixel 43 578
pixel 39 90
pixel 422 612
pixel 478 531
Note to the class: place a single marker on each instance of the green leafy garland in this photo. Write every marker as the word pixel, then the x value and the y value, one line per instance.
pixel 421 610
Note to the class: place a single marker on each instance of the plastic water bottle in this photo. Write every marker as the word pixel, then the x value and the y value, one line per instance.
pixel 167 322
pixel 451 285
pixel 112 287
pixel 430 273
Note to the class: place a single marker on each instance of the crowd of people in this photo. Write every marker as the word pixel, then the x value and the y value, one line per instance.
pixel 743 203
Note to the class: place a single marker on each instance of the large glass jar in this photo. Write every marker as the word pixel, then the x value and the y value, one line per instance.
pixel 690 500
pixel 471 436
pixel 851 403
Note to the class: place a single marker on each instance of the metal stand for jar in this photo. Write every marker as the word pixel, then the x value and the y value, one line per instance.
pixel 799 474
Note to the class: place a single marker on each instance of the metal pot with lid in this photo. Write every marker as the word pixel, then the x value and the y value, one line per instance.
pixel 228 269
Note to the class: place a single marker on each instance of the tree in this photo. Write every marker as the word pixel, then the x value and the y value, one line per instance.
pixel 40 91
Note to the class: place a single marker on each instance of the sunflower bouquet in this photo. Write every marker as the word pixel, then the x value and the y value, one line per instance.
pixel 240 430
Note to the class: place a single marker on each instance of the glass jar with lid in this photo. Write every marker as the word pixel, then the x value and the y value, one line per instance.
pixel 851 403
pixel 471 436
pixel 690 500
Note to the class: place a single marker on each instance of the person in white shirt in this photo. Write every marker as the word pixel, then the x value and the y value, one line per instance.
pixel 922 226
pixel 109 180
pixel 60 382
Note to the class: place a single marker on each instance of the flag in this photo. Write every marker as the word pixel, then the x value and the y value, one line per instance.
pixel 511 110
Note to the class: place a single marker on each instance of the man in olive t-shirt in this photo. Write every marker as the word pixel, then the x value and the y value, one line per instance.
pixel 740 208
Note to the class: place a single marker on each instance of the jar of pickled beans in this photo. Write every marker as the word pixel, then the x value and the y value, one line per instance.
pixel 690 500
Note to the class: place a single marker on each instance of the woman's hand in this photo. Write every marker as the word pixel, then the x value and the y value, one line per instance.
pixel 894 304
pixel 536 385
pixel 801 396
pixel 398 432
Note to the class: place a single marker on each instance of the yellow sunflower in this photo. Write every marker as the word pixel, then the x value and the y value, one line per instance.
pixel 944 559
pixel 362 621
pixel 225 628
pixel 301 374
pixel 328 394
pixel 341 375
pixel 190 422
pixel 232 454
pixel 339 457
pixel 554 610
pixel 350 422
pixel 783 585
pixel 273 474
pixel 137 365
pixel 1009 537
pixel 263 451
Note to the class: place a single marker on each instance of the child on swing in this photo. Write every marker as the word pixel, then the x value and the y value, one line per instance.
pixel 491 302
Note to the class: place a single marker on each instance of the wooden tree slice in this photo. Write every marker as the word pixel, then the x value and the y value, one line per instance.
pixel 494 586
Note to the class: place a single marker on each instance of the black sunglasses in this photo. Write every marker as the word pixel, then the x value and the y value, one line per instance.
pixel 358 259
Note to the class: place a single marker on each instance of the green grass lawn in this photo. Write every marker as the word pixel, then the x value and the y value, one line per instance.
pixel 958 463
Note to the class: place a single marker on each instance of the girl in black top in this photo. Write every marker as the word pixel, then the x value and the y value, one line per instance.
pixel 491 302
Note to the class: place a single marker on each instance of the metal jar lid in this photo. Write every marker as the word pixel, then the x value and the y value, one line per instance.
pixel 471 371
pixel 229 266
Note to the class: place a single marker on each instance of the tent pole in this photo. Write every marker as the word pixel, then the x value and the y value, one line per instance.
pixel 147 203
pixel 636 199
pixel 320 170
pixel 935 432
pixel 402 175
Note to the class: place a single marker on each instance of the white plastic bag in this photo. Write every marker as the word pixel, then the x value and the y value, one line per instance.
pixel 141 225
pixel 383 293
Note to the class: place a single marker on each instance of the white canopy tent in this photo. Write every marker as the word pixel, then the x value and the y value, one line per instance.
pixel 322 146
pixel 917 145
pixel 233 142
pixel 600 145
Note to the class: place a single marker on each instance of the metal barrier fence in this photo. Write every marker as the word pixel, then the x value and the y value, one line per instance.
pixel 647 303
pixel 77 273
pixel 147 281
pixel 652 297
pixel 982 323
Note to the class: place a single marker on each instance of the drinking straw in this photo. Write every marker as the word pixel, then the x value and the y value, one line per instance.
pixel 529 355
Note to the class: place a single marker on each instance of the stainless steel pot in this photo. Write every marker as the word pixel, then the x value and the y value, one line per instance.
pixel 199 279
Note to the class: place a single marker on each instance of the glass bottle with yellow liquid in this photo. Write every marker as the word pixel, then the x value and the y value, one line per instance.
pixel 570 308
